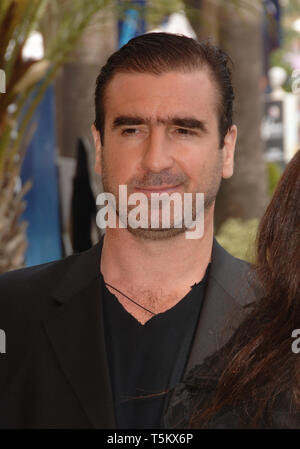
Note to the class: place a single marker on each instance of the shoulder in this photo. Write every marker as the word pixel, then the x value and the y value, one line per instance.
pixel 30 293
pixel 226 266
pixel 29 298
pixel 34 285
pixel 234 276
pixel 26 297
pixel 25 284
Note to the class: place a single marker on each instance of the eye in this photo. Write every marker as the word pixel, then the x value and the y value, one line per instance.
pixel 130 131
pixel 185 132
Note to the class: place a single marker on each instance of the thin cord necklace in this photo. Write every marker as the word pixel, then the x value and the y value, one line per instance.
pixel 130 299
pixel 136 303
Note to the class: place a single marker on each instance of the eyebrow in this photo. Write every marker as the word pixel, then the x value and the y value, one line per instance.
pixel 183 122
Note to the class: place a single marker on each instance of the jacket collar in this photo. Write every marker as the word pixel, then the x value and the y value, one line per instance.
pixel 229 289
pixel 76 332
pixel 85 268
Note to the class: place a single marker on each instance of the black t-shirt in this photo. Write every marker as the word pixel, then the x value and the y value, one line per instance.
pixel 145 361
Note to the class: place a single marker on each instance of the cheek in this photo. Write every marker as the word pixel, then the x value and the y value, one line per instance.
pixel 194 165
pixel 202 165
pixel 119 166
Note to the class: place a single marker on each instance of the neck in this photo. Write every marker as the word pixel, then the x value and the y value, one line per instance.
pixel 130 262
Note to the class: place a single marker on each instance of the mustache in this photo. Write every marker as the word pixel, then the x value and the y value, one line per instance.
pixel 158 179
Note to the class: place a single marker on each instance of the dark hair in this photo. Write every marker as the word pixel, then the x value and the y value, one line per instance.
pixel 260 366
pixel 158 53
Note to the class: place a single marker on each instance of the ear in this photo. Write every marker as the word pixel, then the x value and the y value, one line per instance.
pixel 98 147
pixel 228 152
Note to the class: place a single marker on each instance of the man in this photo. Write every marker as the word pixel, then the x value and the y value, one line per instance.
pixel 99 339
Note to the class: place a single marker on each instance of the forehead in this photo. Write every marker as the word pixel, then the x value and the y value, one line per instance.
pixel 166 94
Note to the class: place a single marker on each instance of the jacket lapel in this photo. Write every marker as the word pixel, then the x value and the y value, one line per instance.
pixel 228 291
pixel 76 332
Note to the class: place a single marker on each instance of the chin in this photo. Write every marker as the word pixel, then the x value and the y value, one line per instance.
pixel 156 234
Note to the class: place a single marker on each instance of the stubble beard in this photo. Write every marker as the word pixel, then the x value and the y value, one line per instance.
pixel 161 233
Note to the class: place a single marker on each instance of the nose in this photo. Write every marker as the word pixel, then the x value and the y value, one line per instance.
pixel 157 153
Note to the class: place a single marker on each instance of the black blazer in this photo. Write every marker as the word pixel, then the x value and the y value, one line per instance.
pixel 54 373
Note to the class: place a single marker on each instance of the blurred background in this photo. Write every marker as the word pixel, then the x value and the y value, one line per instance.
pixel 50 54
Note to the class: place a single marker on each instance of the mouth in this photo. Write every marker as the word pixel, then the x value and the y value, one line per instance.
pixel 157 189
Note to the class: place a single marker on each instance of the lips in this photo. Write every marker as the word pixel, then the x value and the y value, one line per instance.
pixel 157 189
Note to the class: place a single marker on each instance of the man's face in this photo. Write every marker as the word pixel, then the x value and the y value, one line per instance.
pixel 161 135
